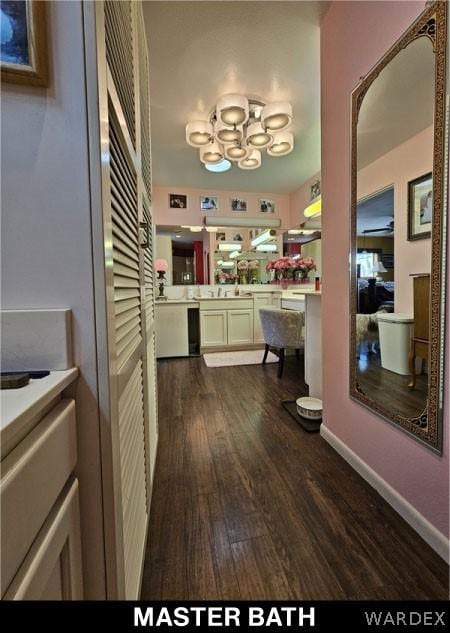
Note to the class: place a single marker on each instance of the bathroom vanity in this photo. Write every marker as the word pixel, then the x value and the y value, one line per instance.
pixel 175 327
pixel 186 326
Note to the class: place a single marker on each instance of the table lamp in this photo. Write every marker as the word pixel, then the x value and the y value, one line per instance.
pixel 377 269
pixel 161 266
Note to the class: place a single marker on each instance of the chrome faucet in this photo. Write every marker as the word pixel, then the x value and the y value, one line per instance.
pixel 219 292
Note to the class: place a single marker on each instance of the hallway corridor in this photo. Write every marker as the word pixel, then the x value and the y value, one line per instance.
pixel 246 505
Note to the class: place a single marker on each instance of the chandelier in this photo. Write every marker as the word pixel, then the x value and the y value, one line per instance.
pixel 238 129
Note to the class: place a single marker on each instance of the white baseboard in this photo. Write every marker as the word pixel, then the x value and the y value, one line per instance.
pixel 417 521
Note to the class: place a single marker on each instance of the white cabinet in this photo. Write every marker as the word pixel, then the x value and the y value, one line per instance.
pixel 297 303
pixel 32 477
pixel 172 338
pixel 240 327
pixel 230 322
pixel 52 567
pixel 40 519
pixel 313 344
pixel 276 300
pixel 214 328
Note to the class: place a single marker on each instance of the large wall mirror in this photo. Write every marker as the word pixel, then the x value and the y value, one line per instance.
pixel 398 220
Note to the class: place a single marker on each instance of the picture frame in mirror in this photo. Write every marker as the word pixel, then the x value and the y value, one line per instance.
pixel 420 207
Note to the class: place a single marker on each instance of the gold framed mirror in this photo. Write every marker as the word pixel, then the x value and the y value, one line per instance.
pixel 398 218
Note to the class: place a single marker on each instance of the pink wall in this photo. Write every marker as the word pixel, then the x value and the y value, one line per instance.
pixel 409 160
pixel 354 36
pixel 193 215
pixel 299 200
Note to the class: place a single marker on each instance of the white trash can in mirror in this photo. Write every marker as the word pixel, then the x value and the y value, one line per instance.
pixel 395 331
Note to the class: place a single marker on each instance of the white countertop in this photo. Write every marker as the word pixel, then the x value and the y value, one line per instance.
pixel 299 295
pixel 165 302
pixel 269 288
pixel 234 297
pixel 20 406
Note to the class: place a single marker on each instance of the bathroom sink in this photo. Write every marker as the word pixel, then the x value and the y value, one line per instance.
pixel 223 297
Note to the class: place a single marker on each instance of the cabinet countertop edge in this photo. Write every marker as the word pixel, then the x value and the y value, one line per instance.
pixel 20 406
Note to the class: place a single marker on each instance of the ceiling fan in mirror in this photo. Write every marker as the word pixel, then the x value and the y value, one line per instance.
pixel 389 228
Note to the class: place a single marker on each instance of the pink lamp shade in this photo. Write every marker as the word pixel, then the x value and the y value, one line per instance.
pixel 161 265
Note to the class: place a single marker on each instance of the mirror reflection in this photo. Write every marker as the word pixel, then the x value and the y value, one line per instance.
pixel 393 232
pixel 231 255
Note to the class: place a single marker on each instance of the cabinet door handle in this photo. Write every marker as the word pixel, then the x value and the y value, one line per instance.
pixel 146 228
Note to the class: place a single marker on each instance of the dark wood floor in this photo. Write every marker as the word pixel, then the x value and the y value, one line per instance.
pixel 391 389
pixel 247 505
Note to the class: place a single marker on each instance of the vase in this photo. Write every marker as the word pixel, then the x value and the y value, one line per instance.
pixel 284 283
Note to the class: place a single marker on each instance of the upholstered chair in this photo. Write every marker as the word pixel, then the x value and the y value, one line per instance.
pixel 282 329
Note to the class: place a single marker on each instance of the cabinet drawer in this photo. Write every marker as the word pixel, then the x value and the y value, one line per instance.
pixel 226 304
pixel 52 569
pixel 276 301
pixel 293 304
pixel 32 476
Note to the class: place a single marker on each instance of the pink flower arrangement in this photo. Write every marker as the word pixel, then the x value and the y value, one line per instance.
pixel 287 267
pixel 242 265
pixel 227 278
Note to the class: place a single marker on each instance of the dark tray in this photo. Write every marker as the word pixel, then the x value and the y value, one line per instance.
pixel 311 426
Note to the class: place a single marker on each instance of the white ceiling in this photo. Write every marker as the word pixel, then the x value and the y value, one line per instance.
pixel 201 50
pixel 399 103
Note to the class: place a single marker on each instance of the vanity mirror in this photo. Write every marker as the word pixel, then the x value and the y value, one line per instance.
pixel 210 255
pixel 230 255
pixel 398 215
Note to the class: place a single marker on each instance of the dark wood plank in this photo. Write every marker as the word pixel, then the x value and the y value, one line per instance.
pixel 247 505
pixel 259 571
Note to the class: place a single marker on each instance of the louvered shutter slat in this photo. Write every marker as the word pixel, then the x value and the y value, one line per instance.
pixel 119 54
pixel 133 475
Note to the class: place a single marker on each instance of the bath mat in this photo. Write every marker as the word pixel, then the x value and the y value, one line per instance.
pixel 245 357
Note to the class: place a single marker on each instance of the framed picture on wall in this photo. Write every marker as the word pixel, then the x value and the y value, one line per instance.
pixel 267 206
pixel 237 204
pixel 177 201
pixel 315 189
pixel 209 203
pixel 420 207
pixel 23 49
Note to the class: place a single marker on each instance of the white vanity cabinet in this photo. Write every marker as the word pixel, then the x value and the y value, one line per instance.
pixel 40 519
pixel 213 328
pixel 226 322
pixel 240 326
pixel 172 329
pixel 52 568
pixel 276 299
pixel 234 322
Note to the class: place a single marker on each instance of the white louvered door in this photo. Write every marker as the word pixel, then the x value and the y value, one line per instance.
pixel 149 298
pixel 129 442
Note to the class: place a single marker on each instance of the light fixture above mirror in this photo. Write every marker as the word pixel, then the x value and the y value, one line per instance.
pixel 238 129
